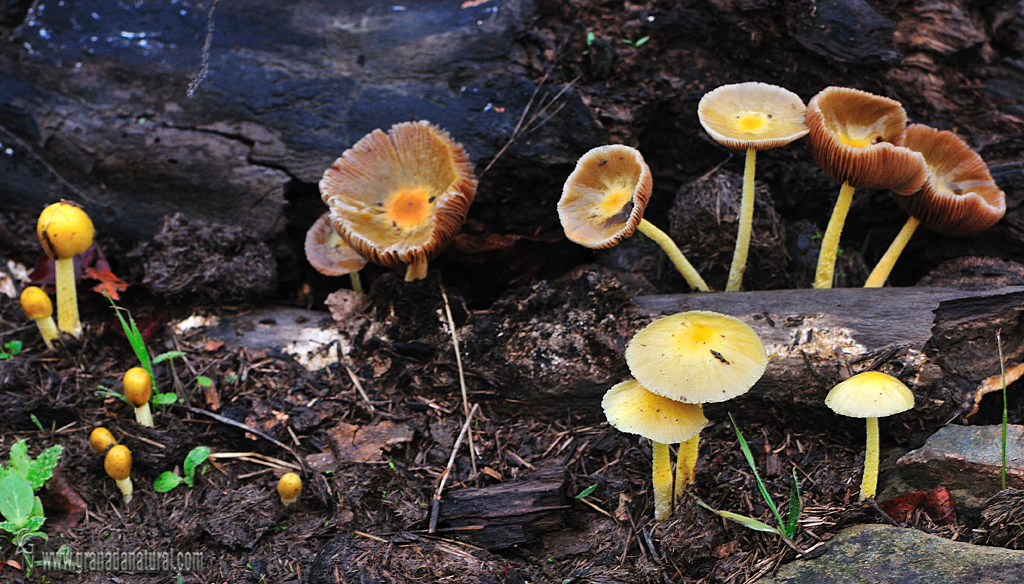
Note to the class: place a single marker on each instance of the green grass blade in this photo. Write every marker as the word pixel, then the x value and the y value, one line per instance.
pixel 796 506
pixel 748 522
pixel 750 461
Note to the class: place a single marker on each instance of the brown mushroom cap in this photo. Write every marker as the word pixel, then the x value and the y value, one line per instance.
pixel 856 137
pixel 604 198
pixel 631 408
pixel 959 198
pixel 752 115
pixel 328 252
pixel 401 196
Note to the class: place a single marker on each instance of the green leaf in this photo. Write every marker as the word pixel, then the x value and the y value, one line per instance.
pixel 41 469
pixel 586 491
pixel 748 522
pixel 166 481
pixel 9 527
pixel 168 355
pixel 641 41
pixel 204 381
pixel 750 461
pixel 197 456
pixel 165 399
pixel 36 421
pixel 590 38
pixel 37 508
pixel 16 500
pixel 14 347
pixel 34 523
pixel 796 506
pixel 19 458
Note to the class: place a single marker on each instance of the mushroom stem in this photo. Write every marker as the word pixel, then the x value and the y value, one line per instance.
pixel 125 485
pixel 48 330
pixel 686 463
pixel 869 484
pixel 67 300
pixel 739 255
pixel 143 415
pixel 417 270
pixel 830 241
pixel 357 282
pixel 678 260
pixel 661 475
pixel 884 267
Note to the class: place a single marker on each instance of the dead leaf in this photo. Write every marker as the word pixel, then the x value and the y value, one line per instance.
pixel 937 503
pixel 109 284
pixel 213 345
pixel 365 443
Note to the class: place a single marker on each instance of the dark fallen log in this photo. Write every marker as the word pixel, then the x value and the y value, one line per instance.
pixel 508 514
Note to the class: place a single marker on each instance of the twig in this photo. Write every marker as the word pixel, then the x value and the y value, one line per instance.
pixel 205 57
pixel 355 380
pixel 435 503
pixel 462 376
pixel 247 428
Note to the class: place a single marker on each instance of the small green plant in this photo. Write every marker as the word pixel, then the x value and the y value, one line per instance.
pixel 10 350
pixel 638 42
pixel 21 508
pixel 583 494
pixel 786 529
pixel 590 41
pixel 168 480
pixel 131 331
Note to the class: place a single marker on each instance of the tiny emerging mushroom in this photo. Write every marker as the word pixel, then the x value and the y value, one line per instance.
pixel 137 389
pixel 870 395
pixel 38 307
pixel 750 116
pixel 603 202
pixel 118 464
pixel 65 231
pixel 399 198
pixel 100 439
pixel 960 198
pixel 289 487
pixel 330 254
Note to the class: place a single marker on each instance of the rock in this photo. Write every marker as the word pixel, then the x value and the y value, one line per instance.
pixel 880 554
pixel 967 461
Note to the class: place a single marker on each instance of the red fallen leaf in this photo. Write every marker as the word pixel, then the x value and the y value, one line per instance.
pixel 93 257
pixel 64 507
pixel 937 503
pixel 109 284
pixel 213 345
pixel 13 564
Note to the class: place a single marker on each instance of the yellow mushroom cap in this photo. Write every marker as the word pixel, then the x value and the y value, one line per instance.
pixel 64 230
pixel 752 115
pixel 137 386
pixel 697 357
pixel 631 408
pixel 857 138
pixel 328 252
pixel 959 198
pixel 289 486
pixel 604 198
pixel 100 439
pixel 871 394
pixel 118 462
pixel 400 197
pixel 36 303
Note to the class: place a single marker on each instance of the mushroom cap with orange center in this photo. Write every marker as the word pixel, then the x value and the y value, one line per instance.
pixel 36 303
pixel 959 198
pixel 871 394
pixel 697 357
pixel 328 252
pixel 631 408
pixel 604 198
pixel 752 115
pixel 857 138
pixel 64 230
pixel 400 196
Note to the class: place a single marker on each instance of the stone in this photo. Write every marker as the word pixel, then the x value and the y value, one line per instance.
pixel 880 554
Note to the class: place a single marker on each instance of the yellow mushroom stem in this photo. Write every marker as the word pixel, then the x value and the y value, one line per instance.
pixel 357 282
pixel 678 260
pixel 869 484
pixel 739 255
pixel 830 241
pixel 417 270
pixel 885 265
pixel 67 299
pixel 144 416
pixel 661 475
pixel 686 463
pixel 125 485
pixel 48 330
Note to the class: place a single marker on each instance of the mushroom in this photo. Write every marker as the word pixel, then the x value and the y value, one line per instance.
pixel 400 198
pixel 331 255
pixel 65 231
pixel 603 202
pixel 696 357
pixel 101 439
pixel 959 197
pixel 631 408
pixel 857 138
pixel 38 307
pixel 289 487
pixel 870 395
pixel 118 464
pixel 750 116
pixel 137 388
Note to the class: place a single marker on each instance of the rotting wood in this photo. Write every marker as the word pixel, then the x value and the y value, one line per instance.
pixel 507 514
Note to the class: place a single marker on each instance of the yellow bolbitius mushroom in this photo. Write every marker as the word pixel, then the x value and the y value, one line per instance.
pixel 38 307
pixel 289 487
pixel 65 231
pixel 118 464
pixel 100 439
pixel 137 389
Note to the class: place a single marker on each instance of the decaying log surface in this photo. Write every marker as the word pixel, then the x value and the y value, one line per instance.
pixel 507 514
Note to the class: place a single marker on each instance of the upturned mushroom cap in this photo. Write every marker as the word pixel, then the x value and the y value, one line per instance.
pixel 36 303
pixel 752 115
pixel 100 439
pixel 328 252
pixel 137 386
pixel 604 198
pixel 697 357
pixel 959 198
pixel 857 138
pixel 871 394
pixel 64 230
pixel 631 408
pixel 400 197
pixel 118 462
pixel 289 486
